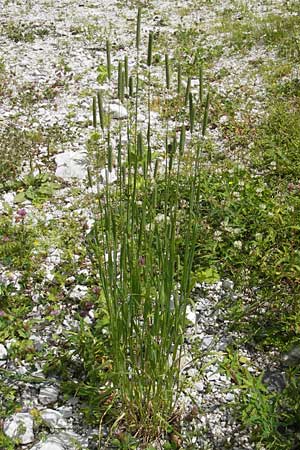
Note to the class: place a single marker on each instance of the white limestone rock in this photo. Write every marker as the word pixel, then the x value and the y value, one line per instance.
pixel 71 165
pixel 54 419
pixel 66 411
pixel 107 176
pixel 51 443
pixel 9 197
pixel 3 355
pixel 191 315
pixel 117 110
pixel 78 292
pixel 48 395
pixel 19 426
pixel 228 285
pixel 207 342
pixel 37 341
pixel 61 441
pixel 229 397
pixel 199 386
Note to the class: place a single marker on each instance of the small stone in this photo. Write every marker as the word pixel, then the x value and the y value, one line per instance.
pixel 78 292
pixel 213 376
pixel 228 285
pixel 199 385
pixel 117 110
pixel 51 443
pixel 88 320
pixel 38 343
pixel 185 362
pixel 71 165
pixel 190 315
pixel 292 358
pixel 21 370
pixel 54 419
pixel 3 355
pixel 223 119
pixel 206 342
pixel 274 380
pixel 66 411
pixel 141 118
pixel 229 397
pixel 71 440
pixel 192 372
pixel 9 198
pixel 48 395
pixel 19 426
pixel 108 177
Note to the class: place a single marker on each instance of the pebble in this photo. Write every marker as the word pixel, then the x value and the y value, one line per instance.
pixel 78 292
pixel 66 411
pixel 199 386
pixel 19 426
pixel 38 342
pixel 71 165
pixel 229 397
pixel 292 358
pixel 206 342
pixel 54 419
pixel 191 315
pixel 51 443
pixel 48 395
pixel 117 111
pixel 3 355
pixel 228 285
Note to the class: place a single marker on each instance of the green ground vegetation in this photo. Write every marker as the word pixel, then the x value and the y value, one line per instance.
pixel 244 206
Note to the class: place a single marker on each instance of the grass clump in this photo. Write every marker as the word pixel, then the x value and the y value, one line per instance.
pixel 22 32
pixel 3 78
pixel 274 31
pixel 19 149
pixel 143 244
pixel 277 144
pixel 16 240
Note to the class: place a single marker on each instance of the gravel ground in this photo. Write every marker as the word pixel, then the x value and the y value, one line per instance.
pixel 51 52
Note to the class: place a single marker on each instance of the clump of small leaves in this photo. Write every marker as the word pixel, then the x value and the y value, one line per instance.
pixel 271 415
pixel 22 32
pixel 16 240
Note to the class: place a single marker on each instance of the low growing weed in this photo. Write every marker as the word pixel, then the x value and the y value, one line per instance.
pixel 272 417
pixel 274 31
pixel 16 240
pixel 22 32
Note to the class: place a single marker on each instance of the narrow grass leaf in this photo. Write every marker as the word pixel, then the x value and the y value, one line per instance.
pixel 191 112
pixel 201 84
pixel 179 78
pixel 150 46
pixel 167 68
pixel 94 113
pixel 138 28
pixel 187 91
pixel 119 80
pixel 101 110
pixel 126 71
pixel 182 140
pixel 205 116
pixel 130 83
pixel 108 58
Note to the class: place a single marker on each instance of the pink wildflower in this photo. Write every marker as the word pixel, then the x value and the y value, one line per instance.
pixel 21 212
pixel 142 261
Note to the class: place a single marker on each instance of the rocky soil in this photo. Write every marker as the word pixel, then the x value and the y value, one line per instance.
pixel 51 52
